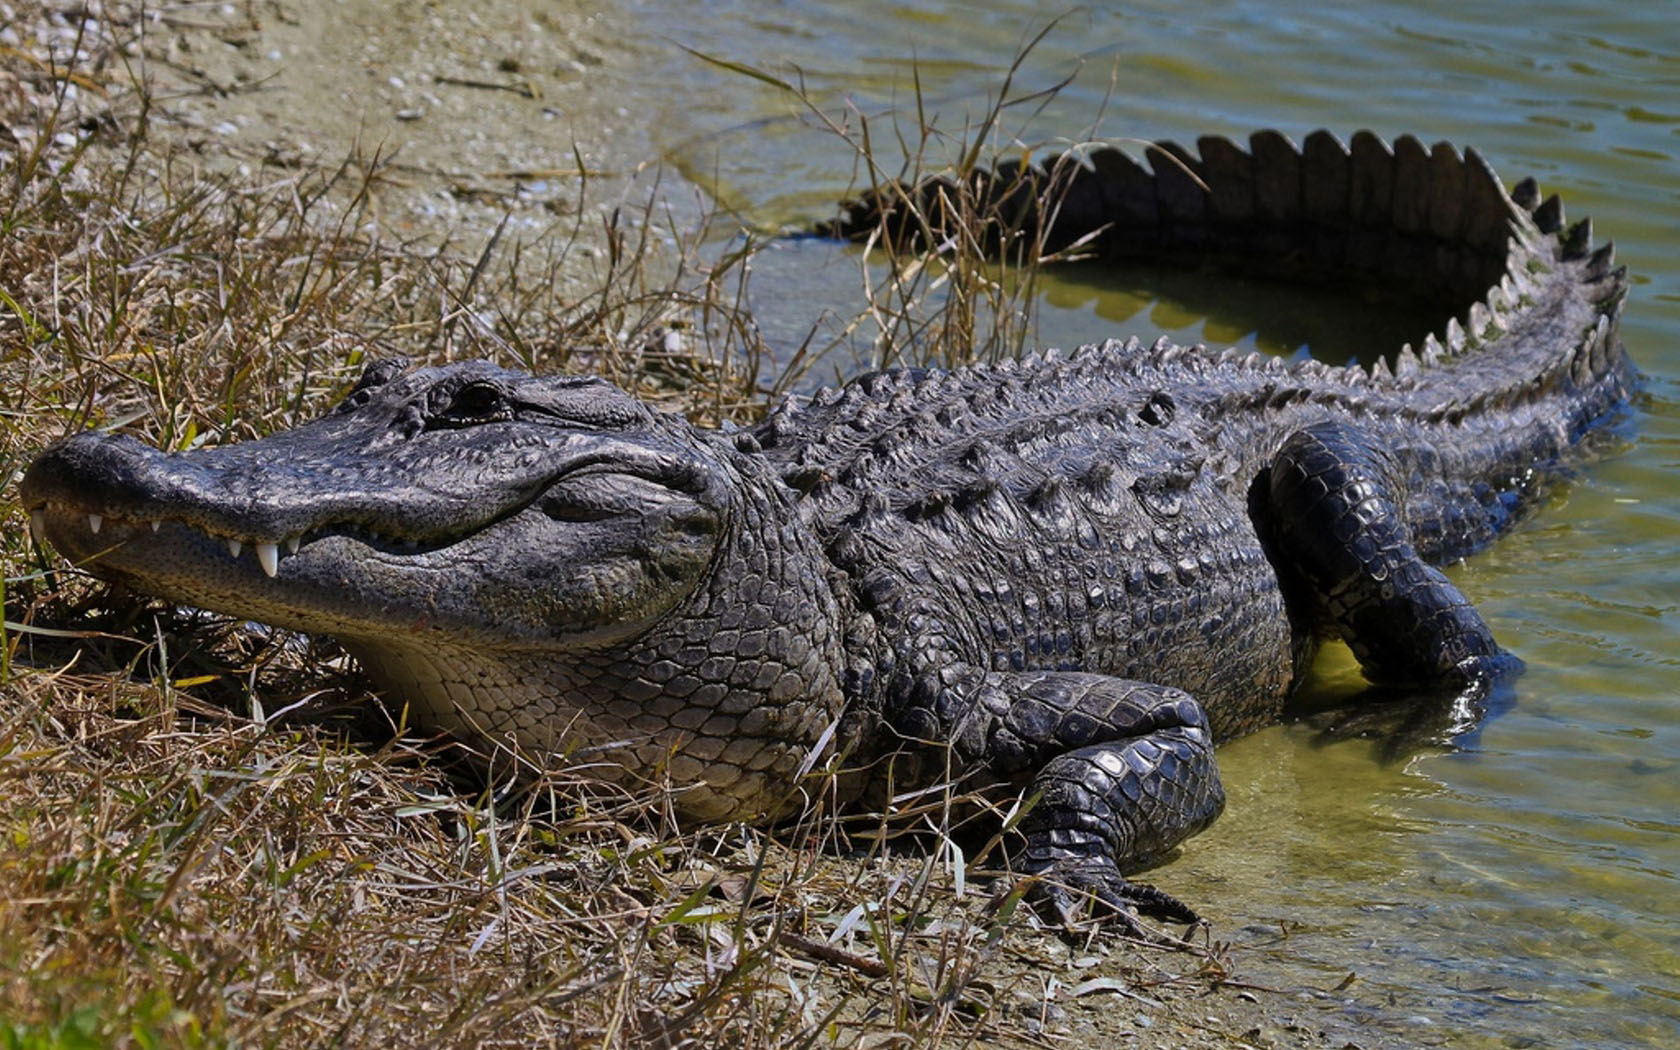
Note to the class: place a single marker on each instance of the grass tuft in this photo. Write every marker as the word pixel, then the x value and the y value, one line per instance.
pixel 953 246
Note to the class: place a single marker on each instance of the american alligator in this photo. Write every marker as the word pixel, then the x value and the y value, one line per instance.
pixel 1065 577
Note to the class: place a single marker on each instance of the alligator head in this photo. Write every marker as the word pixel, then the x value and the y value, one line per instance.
pixel 463 505
pixel 530 563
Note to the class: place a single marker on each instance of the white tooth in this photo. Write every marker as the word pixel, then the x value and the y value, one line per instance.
pixel 38 527
pixel 234 546
pixel 94 521
pixel 268 556
pixel 157 523
pixel 292 544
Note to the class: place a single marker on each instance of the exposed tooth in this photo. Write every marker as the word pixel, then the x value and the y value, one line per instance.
pixel 292 544
pixel 94 521
pixel 234 546
pixel 38 527
pixel 268 556
pixel 157 523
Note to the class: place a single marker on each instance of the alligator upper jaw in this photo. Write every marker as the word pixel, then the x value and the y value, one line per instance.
pixel 318 580
pixel 337 583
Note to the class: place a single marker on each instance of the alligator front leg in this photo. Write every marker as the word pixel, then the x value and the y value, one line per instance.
pixel 1122 772
pixel 1342 543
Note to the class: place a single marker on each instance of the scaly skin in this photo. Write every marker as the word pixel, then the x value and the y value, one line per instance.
pixel 1069 575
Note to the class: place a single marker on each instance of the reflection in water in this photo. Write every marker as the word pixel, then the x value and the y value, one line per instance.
pixel 801 286
pixel 1287 320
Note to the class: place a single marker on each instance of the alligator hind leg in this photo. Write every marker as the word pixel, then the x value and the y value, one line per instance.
pixel 1336 528
pixel 1122 771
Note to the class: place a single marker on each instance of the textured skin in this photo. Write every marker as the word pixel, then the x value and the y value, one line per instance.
pixel 1067 576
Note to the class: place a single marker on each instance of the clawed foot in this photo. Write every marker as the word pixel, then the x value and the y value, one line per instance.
pixel 1070 887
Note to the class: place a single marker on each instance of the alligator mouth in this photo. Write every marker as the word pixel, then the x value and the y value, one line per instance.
pixel 269 552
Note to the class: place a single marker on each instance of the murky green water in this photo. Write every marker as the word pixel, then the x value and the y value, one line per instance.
pixel 1522 891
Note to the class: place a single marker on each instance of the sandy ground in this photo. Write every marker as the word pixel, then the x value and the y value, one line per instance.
pixel 491 105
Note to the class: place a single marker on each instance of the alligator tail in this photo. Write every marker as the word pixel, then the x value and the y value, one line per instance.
pixel 1531 306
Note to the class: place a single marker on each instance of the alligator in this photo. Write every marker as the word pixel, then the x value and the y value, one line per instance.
pixel 1060 580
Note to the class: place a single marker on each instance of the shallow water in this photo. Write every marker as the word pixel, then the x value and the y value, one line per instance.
pixel 1522 891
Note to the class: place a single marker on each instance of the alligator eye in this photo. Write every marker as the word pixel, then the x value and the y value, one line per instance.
pixel 475 401
pixel 469 404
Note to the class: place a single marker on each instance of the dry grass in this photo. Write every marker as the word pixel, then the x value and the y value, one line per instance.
pixel 954 246
pixel 213 835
